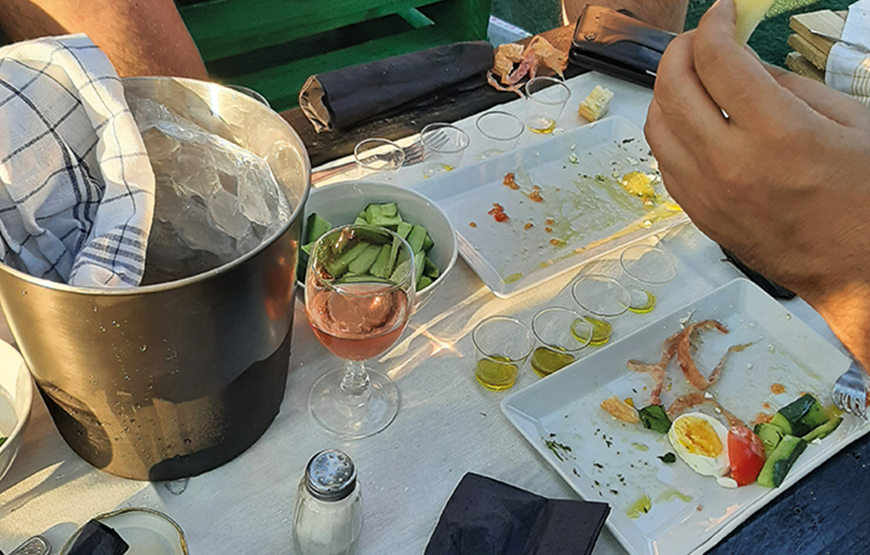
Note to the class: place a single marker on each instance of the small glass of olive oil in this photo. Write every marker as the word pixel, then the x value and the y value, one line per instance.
pixel 647 268
pixel 502 345
pixel 560 333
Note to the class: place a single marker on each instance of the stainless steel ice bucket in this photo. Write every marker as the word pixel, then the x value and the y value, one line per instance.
pixel 173 379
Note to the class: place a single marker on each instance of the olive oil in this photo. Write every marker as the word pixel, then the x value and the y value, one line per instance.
pixel 496 373
pixel 644 303
pixel 545 360
pixel 601 332
pixel 542 125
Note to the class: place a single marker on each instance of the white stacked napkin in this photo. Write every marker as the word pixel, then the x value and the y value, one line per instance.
pixel 848 68
pixel 76 186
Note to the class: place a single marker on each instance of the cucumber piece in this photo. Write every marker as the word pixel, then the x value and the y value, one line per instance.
pixel 306 248
pixel 419 262
pixel 804 414
pixel 353 278
pixel 782 423
pixel 404 229
pixel 824 430
pixel 423 283
pixel 401 270
pixel 770 436
pixel 317 226
pixel 384 215
pixel 776 466
pixel 430 269
pixel 381 266
pixel 360 221
pixel 428 243
pixel 364 261
pixel 416 238
pixel 338 266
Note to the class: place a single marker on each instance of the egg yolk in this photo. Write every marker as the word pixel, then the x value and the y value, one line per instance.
pixel 698 436
pixel 638 184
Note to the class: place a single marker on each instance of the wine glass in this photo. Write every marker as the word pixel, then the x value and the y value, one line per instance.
pixel 359 294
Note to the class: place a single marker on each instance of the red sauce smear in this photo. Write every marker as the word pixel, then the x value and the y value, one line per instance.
pixel 550 221
pixel 497 212
pixel 535 195
pixel 777 388
pixel 472 224
pixel 528 226
pixel 762 418
pixel 509 181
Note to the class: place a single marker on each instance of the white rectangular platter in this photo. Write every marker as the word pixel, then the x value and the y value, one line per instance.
pixel 605 459
pixel 585 212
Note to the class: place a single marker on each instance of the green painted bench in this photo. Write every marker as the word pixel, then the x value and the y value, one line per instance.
pixel 273 46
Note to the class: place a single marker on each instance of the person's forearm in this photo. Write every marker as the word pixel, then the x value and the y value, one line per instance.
pixel 664 14
pixel 146 37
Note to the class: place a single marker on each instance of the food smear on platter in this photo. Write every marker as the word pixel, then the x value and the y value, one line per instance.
pixel 497 212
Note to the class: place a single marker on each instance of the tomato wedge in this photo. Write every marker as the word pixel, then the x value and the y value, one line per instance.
pixel 745 454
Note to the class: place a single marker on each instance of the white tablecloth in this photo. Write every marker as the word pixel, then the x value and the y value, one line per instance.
pixel 447 426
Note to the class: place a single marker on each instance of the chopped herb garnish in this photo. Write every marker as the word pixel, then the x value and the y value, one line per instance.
pixel 555 447
pixel 668 458
pixel 655 418
pixel 614 492
pixel 598 466
pixel 574 470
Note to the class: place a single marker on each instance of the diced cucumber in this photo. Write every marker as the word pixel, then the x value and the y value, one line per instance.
pixel 364 261
pixel 338 266
pixel 401 271
pixel 306 248
pixel 782 423
pixel 360 221
pixel 317 226
pixel 404 229
pixel 430 269
pixel 389 210
pixel 368 278
pixel 416 238
pixel 770 436
pixel 419 262
pixel 778 464
pixel 428 243
pixel 423 283
pixel 382 267
pixel 804 414
pixel 388 217
pixel 824 430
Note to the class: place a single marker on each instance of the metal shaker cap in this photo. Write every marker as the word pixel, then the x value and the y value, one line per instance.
pixel 330 475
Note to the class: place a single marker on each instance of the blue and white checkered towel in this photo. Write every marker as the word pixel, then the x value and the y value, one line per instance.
pixel 76 186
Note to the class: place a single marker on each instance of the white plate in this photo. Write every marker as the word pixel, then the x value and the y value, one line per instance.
pixel 565 408
pixel 590 217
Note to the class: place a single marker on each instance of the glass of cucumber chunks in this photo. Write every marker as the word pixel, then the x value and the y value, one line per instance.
pixel 375 260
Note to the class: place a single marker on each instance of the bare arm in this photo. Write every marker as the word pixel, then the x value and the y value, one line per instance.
pixel 140 37
pixel 664 14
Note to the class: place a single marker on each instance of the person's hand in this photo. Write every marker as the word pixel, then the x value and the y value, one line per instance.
pixel 782 180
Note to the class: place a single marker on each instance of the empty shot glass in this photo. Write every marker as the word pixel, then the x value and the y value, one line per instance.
pixel 545 99
pixel 502 345
pixel 443 147
pixel 561 333
pixel 378 159
pixel 647 268
pixel 499 132
pixel 602 297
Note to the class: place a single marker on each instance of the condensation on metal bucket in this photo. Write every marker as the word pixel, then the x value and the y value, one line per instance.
pixel 173 379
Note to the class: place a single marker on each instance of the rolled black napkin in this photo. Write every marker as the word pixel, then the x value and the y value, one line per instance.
pixel 343 97
pixel 488 517
pixel 98 539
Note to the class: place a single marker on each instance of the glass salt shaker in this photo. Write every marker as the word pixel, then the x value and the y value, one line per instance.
pixel 328 518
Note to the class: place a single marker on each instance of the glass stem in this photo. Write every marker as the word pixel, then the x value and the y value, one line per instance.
pixel 355 383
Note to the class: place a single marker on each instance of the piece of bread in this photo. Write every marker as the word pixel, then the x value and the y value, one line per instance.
pixel 594 106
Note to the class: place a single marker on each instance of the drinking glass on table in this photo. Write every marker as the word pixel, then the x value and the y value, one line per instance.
pixel 603 297
pixel 378 159
pixel 561 334
pixel 545 99
pixel 648 268
pixel 359 294
pixel 443 147
pixel 502 345
pixel 499 133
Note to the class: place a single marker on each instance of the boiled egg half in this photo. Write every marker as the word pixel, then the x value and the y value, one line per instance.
pixel 702 442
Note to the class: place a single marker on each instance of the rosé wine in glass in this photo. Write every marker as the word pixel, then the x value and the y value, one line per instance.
pixel 359 294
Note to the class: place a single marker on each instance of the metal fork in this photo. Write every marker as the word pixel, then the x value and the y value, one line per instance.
pixel 850 393
pixel 414 154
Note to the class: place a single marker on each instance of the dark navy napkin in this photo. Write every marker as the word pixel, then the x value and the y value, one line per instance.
pixel 488 517
pixel 98 539
pixel 341 98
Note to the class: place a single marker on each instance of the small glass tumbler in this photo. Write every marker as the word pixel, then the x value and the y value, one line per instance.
pixel 602 297
pixel 561 334
pixel 378 159
pixel 545 99
pixel 499 133
pixel 502 346
pixel 648 267
pixel 443 147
